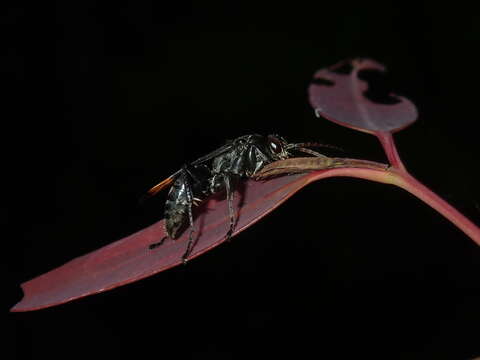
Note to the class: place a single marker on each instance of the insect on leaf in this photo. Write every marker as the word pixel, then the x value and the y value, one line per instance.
pixel 340 95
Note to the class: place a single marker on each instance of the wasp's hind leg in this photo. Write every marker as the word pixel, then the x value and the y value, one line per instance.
pixel 157 244
pixel 230 183
pixel 190 200
pixel 178 210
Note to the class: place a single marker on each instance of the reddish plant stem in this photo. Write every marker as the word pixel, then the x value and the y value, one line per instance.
pixel 388 144
pixel 407 182
pixel 374 172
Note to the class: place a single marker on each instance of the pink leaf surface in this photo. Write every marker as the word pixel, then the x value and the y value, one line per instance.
pixel 130 259
pixel 342 98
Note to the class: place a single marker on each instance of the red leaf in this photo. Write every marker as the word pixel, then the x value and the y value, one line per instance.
pixel 130 259
pixel 342 98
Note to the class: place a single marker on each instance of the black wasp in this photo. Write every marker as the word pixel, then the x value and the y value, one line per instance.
pixel 218 171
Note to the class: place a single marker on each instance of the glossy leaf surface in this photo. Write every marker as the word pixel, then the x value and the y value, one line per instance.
pixel 338 94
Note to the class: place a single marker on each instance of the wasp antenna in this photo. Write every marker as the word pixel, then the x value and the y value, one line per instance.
pixel 309 151
pixel 314 144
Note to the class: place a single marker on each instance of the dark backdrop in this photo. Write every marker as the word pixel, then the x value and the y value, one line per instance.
pixel 105 100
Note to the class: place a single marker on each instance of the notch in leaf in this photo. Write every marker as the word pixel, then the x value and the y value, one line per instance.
pixel 339 94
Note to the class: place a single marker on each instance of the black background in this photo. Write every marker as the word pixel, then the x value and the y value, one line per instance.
pixel 105 100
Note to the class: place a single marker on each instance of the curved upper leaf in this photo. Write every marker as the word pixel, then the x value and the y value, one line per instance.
pixel 341 97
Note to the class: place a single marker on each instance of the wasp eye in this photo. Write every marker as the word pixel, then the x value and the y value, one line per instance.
pixel 275 146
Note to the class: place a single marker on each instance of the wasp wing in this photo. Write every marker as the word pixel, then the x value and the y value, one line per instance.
pixel 221 150
pixel 168 181
pixel 162 185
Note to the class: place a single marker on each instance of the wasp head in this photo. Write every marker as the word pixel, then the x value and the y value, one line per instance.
pixel 278 147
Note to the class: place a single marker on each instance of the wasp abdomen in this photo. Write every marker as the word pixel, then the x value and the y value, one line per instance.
pixel 176 210
pixel 189 187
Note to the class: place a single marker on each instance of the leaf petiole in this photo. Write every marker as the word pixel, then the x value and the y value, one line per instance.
pixel 321 168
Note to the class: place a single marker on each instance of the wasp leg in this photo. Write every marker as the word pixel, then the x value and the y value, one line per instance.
pixel 230 187
pixel 190 199
pixel 157 244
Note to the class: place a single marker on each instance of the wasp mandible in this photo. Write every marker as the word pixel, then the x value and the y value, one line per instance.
pixel 220 170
